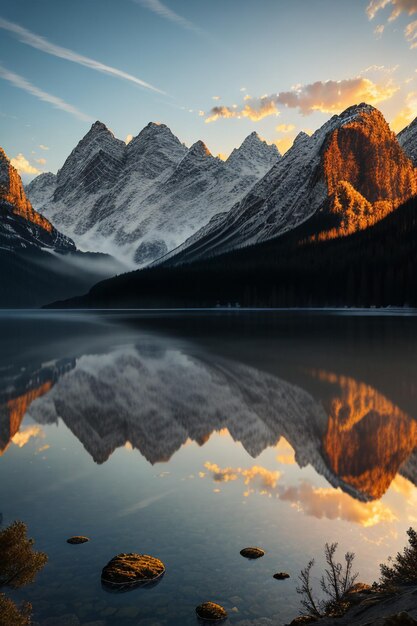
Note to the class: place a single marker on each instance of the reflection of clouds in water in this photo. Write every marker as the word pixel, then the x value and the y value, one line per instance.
pixel 332 504
pixel 318 502
pixel 260 476
pixel 24 435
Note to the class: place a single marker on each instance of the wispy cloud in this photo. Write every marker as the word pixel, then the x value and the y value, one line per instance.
pixel 25 85
pixel 40 43
pixel 398 6
pixel 331 96
pixel 409 7
pixel 43 147
pixel 168 14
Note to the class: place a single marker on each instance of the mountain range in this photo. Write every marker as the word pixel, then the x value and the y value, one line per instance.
pixel 141 200
pixel 258 229
pixel 37 260
pixel 158 398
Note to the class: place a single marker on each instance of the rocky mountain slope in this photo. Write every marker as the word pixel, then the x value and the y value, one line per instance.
pixel 39 263
pixel 352 168
pixel 41 189
pixel 407 139
pixel 20 225
pixel 139 201
pixel 372 267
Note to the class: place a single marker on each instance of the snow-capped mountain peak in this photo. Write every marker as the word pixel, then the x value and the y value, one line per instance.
pixel 308 176
pixel 254 156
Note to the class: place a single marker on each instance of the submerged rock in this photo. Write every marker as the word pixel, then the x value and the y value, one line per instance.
pixel 132 569
pixel 78 539
pixel 210 611
pixel 281 575
pixel 252 553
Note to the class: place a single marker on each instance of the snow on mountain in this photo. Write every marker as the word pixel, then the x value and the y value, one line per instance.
pixel 141 200
pixel 407 139
pixel 307 176
pixel 41 189
pixel 158 396
pixel 254 157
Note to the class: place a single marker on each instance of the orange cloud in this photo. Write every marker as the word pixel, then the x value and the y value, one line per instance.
pixel 284 144
pixel 406 114
pixel 220 475
pixel 335 504
pixel 23 437
pixel 285 128
pixel 258 476
pixel 263 108
pixel 331 96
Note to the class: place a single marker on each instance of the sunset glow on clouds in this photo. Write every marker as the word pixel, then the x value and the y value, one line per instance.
pixel 398 7
pixel 196 64
pixel 23 166
pixel 331 96
pixel 319 502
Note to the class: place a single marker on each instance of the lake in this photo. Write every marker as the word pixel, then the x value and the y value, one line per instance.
pixel 192 435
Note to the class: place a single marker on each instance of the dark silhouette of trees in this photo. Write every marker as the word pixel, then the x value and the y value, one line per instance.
pixel 19 564
pixel 373 267
pixel 336 581
pixel 403 569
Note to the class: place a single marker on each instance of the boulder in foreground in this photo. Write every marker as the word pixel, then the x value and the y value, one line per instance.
pixel 132 569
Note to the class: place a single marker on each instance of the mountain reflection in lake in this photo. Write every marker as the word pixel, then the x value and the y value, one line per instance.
pixel 194 441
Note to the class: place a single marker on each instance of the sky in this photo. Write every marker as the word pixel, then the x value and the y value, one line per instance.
pixel 212 70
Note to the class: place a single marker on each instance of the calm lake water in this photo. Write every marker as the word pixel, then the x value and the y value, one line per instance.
pixel 191 436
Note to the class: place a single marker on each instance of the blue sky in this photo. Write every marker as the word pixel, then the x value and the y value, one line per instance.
pixel 267 63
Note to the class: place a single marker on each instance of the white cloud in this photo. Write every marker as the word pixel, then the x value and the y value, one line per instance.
pixel 43 147
pixel 40 43
pixel 23 166
pixel 25 85
pixel 168 14
pixel 41 161
pixel 128 139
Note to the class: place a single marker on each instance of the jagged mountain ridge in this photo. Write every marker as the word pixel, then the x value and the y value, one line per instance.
pixel 38 262
pixel 157 399
pixel 41 189
pixel 139 201
pixel 351 168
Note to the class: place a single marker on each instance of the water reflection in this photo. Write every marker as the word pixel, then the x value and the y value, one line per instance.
pixel 155 398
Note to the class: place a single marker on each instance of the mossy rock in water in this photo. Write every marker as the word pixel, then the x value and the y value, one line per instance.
pixel 281 575
pixel 132 569
pixel 211 612
pixel 78 539
pixel 252 553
